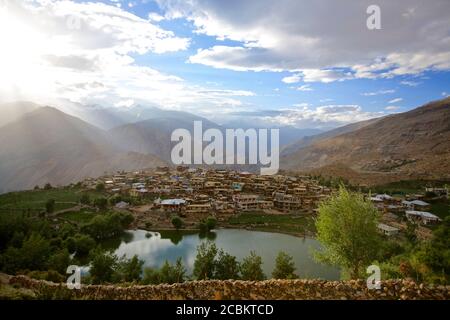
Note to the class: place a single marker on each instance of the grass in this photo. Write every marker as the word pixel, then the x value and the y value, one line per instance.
pixel 441 209
pixel 289 223
pixel 82 216
pixel 35 199
pixel 407 186
pixel 9 292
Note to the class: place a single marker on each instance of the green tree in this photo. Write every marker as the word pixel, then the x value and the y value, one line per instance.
pixel 410 232
pixel 284 267
pixel 347 229
pixel 32 255
pixel 202 227
pixel 173 273
pixel 101 203
pixel 177 222
pixel 106 226
pixel 17 239
pixel 115 199
pixel 125 218
pixel 129 270
pixel 47 186
pixel 227 267
pixel 83 244
pixel 205 264
pixel 50 206
pixel 67 230
pixel 435 254
pixel 100 187
pixel 168 273
pixel 59 261
pixel 103 265
pixel 211 223
pixel 85 199
pixel 251 267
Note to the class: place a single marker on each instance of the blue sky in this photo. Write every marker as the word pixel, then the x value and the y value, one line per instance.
pixel 285 63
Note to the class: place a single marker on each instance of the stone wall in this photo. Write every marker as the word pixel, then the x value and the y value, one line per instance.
pixel 230 289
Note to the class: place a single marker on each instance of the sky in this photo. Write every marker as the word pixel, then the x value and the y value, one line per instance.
pixel 308 64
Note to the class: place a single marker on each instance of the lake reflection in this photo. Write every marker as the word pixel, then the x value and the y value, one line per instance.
pixel 170 245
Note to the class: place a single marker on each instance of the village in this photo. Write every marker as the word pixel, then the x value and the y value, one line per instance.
pixel 194 194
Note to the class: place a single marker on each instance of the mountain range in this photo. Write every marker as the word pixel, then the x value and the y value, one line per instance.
pixel 47 145
pixel 41 144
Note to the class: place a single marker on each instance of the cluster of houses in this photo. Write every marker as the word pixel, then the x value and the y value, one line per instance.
pixel 198 191
pixel 414 208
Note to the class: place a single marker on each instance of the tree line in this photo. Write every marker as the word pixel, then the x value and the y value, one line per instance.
pixel 32 245
pixel 210 263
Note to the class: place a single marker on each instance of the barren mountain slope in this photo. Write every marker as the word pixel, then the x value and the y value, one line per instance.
pixel 414 143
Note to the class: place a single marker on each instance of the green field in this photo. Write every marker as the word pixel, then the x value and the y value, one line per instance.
pixel 289 223
pixel 82 216
pixel 441 209
pixel 35 199
pixel 407 186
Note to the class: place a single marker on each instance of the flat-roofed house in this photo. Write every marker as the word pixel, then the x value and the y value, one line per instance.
pixel 422 216
pixel 438 191
pixel 173 205
pixel 387 229
pixel 246 202
pixel 416 205
pixel 198 208
pixel 287 202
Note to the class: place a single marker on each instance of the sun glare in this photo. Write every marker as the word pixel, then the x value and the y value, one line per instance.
pixel 20 54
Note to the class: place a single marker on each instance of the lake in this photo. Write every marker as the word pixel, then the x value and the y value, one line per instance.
pixel 170 245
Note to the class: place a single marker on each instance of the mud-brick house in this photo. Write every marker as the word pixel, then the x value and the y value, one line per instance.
pixel 197 209
pixel 287 202
pixel 246 202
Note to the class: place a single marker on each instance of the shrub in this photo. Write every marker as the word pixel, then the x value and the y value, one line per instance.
pixel 177 222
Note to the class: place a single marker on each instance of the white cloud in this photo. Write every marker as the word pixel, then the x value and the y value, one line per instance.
pixel 391 108
pixel 225 57
pixel 396 100
pixel 241 93
pixel 84 52
pixel 288 35
pixel 292 79
pixel 445 94
pixel 317 75
pixel 409 83
pixel 377 93
pixel 125 103
pixel 153 16
pixel 325 76
pixel 305 87
pixel 302 115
